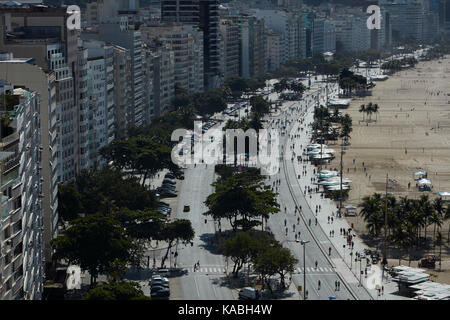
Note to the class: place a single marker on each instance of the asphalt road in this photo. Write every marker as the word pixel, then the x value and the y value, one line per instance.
pixel 209 284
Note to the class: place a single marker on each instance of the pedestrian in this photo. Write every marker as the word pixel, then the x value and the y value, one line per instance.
pixel 382 290
pixel 335 285
pixel 339 286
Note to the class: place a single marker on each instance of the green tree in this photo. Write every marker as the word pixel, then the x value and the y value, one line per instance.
pixel 241 198
pixel 93 242
pixel 69 202
pixel 275 260
pixel 173 232
pixel 116 291
pixel 241 249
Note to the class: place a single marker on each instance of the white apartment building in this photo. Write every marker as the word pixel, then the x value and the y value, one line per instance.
pixel 186 42
pixel 290 27
pixel 22 72
pixel 21 220
pixel 324 36
pixel 116 31
pixel 229 31
pixel 160 63
pixel 100 89
pixel 273 51
pixel 122 88
pixel 66 111
pixel 352 33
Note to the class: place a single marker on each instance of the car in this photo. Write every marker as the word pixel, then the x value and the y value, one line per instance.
pixel 160 294
pixel 249 293
pixel 165 188
pixel 169 181
pixel 163 272
pixel 168 194
pixel 169 175
pixel 169 209
pixel 159 282
pixel 168 187
pixel 162 203
pixel 163 211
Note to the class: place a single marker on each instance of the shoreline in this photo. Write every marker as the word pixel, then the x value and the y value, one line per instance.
pixel 410 133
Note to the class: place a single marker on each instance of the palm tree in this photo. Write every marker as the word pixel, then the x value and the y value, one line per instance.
pixel 438 215
pixel 369 110
pixel 426 211
pixel 439 243
pixel 447 217
pixel 362 109
pixel 375 110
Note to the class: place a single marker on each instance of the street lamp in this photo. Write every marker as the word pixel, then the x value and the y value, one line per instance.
pixel 303 243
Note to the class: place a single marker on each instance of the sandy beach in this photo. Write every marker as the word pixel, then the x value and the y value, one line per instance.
pixel 410 133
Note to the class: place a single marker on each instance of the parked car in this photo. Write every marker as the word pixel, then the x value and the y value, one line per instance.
pixel 162 203
pixel 158 281
pixel 163 272
pixel 170 175
pixel 168 194
pixel 169 181
pixel 159 292
pixel 249 293
pixel 169 187
pixel 163 211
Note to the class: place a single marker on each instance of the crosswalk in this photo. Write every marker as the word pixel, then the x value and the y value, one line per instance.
pixel 315 270
pixel 222 270
pixel 208 269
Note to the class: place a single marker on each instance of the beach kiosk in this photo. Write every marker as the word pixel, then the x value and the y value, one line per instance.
pixel 420 175
pixel 350 210
pixel 424 184
pixel 445 196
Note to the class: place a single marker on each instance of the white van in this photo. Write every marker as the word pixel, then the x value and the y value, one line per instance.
pixel 249 293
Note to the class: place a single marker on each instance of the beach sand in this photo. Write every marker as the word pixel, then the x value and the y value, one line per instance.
pixel 411 133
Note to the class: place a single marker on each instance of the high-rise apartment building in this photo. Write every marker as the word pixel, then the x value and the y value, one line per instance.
pixel 160 64
pixel 324 36
pixel 205 15
pixel 100 90
pixel 117 31
pixel 42 33
pixel 252 45
pixel 273 51
pixel 186 42
pixel 122 85
pixel 22 72
pixel 230 34
pixel 21 221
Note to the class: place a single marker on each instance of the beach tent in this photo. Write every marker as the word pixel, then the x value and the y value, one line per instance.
pixel 445 196
pixel 350 210
pixel 420 174
pixel 424 182
pixel 424 185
